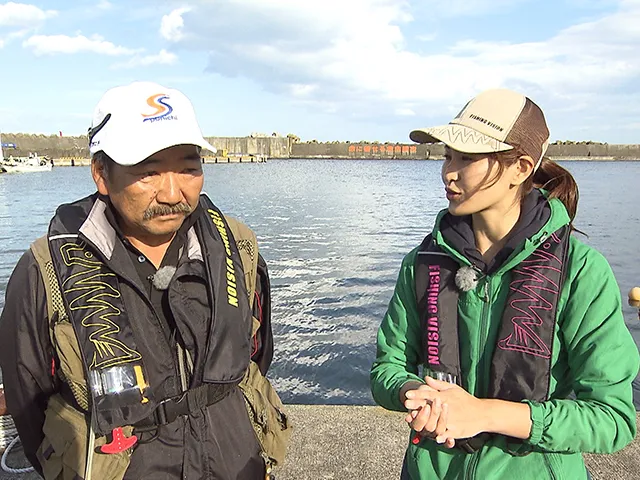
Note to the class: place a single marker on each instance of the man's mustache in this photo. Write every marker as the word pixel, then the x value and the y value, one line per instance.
pixel 159 210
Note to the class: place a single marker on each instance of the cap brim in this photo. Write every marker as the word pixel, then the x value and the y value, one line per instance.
pixel 460 138
pixel 207 146
pixel 124 155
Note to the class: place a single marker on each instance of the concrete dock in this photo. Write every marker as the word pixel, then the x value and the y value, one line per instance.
pixel 350 442
pixel 85 162
pixel 347 442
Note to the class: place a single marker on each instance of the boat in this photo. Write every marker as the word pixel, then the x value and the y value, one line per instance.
pixel 1 156
pixel 32 163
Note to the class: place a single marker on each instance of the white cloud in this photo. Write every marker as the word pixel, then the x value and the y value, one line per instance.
pixel 586 57
pixel 63 44
pixel 23 15
pixel 171 25
pixel 359 62
pixel 592 4
pixel 302 90
pixel 19 19
pixel 18 33
pixel 427 37
pixel 161 58
pixel 296 43
pixel 104 5
pixel 405 112
pixel 458 8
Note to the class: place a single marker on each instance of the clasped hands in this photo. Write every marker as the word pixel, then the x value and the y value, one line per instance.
pixel 444 412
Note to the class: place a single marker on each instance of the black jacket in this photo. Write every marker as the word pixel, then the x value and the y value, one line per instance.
pixel 216 443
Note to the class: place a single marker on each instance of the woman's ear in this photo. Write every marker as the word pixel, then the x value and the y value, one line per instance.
pixel 523 169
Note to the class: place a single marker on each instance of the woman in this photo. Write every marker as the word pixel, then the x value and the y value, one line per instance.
pixel 514 323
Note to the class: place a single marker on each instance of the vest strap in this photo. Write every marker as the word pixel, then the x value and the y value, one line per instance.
pixel 437 302
pixel 187 403
pixel 473 444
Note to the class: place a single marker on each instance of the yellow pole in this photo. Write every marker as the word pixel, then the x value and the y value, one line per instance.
pixel 634 297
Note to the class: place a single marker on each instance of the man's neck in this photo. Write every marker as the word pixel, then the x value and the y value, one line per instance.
pixel 154 249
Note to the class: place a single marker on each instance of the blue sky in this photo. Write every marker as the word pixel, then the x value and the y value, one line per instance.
pixel 325 69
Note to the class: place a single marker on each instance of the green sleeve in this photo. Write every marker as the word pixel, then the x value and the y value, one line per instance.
pixel 603 361
pixel 398 345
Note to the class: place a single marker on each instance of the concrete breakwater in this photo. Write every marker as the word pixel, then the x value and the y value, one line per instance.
pixel 85 162
pixel 583 151
pixel 72 150
pixel 75 148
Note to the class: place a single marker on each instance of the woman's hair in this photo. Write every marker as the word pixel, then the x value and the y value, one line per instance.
pixel 556 180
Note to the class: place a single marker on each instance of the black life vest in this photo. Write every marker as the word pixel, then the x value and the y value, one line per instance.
pixel 521 362
pixel 102 322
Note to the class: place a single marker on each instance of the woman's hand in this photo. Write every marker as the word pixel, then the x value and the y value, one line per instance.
pixel 465 414
pixel 428 418
pixel 468 416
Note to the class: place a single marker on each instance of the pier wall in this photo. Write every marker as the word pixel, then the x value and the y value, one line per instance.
pixel 436 151
pixel 68 148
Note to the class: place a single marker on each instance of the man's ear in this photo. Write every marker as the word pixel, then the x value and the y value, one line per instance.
pixel 99 174
pixel 524 167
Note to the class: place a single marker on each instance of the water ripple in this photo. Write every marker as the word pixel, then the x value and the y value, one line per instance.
pixel 333 234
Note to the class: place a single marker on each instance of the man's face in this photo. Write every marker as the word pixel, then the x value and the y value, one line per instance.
pixel 155 196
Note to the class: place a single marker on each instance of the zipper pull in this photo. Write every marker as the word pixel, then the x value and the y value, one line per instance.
pixel 485 298
pixel 268 469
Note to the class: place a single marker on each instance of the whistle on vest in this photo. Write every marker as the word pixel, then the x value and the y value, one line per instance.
pixel 118 442
pixel 121 380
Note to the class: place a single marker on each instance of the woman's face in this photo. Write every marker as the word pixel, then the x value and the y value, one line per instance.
pixel 472 183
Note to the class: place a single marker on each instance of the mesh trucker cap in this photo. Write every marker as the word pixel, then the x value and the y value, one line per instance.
pixel 132 122
pixel 494 121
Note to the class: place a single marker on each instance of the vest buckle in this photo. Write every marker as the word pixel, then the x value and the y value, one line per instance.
pixel 466 447
pixel 168 410
pixel 473 444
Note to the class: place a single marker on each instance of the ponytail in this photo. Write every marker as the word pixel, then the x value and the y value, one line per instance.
pixel 559 183
pixel 550 176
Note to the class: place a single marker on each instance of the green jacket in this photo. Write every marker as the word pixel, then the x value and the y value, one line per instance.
pixel 594 356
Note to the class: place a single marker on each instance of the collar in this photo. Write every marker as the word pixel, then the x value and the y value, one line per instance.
pixel 458 232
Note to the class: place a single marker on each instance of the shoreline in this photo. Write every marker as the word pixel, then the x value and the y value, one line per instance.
pixel 555 158
pixel 290 147
pixel 85 162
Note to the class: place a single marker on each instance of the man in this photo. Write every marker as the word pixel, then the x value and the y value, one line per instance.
pixel 126 336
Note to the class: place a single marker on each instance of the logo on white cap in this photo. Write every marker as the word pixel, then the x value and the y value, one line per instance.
pixel 163 108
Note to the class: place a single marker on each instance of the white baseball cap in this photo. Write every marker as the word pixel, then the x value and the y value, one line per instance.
pixel 132 122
